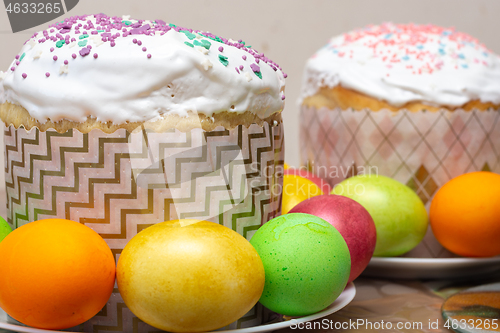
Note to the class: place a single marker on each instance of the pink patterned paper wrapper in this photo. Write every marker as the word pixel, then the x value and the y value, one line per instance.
pixel 423 150
pixel 120 183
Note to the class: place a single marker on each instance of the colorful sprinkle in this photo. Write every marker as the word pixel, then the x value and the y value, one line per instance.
pixel 84 52
pixel 255 68
pixel 78 30
pixel 203 43
pixel 427 46
pixel 223 60
pixel 24 75
pixel 188 34
pixel 206 44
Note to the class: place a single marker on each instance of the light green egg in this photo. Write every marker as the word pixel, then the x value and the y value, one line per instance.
pixel 306 261
pixel 399 214
pixel 5 229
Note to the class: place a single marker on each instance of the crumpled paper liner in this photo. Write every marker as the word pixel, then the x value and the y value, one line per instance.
pixel 121 183
pixel 421 149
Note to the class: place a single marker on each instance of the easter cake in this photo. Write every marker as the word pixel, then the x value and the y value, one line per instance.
pixel 418 103
pixel 120 123
pixel 398 67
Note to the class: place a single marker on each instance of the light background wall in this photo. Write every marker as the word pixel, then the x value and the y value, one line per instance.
pixel 287 31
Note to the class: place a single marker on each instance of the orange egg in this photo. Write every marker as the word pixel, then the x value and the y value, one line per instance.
pixel 465 214
pixel 55 274
pixel 295 190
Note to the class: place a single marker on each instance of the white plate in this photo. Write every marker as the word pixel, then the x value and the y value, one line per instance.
pixel 345 298
pixel 431 268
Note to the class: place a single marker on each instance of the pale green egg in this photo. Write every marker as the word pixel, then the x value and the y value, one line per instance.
pixel 398 213
pixel 5 229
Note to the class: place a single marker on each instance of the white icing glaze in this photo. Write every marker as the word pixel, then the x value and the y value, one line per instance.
pixel 123 85
pixel 407 63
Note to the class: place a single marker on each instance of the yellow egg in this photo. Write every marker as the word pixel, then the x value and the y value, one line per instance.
pixel 189 276
pixel 295 190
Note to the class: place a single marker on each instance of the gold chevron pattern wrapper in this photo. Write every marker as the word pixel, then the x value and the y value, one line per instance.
pixel 121 183
pixel 421 149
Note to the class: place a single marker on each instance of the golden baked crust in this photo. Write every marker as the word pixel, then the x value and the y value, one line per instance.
pixel 16 115
pixel 344 98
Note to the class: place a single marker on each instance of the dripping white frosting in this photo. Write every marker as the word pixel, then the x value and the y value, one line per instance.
pixel 407 63
pixel 159 69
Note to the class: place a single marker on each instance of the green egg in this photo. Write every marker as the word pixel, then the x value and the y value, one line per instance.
pixel 306 261
pixel 5 229
pixel 398 213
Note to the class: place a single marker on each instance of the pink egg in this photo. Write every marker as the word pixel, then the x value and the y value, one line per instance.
pixel 352 221
pixel 322 184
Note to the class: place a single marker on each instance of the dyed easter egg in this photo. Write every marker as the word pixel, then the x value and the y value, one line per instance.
pixel 297 189
pixel 352 221
pixel 399 214
pixel 189 276
pixel 322 184
pixel 306 261
pixel 465 214
pixel 5 228
pixel 59 274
